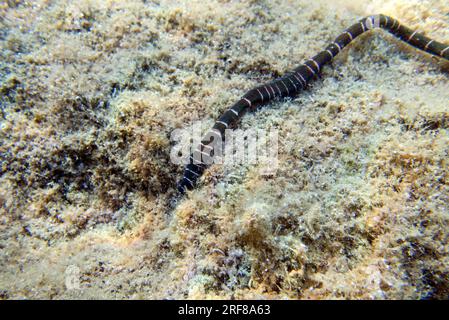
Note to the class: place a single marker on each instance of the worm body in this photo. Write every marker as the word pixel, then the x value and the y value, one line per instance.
pixel 295 81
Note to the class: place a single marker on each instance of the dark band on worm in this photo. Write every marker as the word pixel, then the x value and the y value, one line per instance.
pixel 293 82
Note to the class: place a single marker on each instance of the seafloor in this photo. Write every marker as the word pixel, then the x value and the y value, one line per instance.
pixel 91 91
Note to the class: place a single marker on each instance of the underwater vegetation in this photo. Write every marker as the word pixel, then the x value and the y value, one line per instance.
pixel 91 91
pixel 295 81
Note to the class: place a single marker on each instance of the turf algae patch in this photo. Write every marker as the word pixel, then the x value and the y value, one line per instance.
pixel 91 91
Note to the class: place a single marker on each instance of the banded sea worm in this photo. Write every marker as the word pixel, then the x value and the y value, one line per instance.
pixel 293 82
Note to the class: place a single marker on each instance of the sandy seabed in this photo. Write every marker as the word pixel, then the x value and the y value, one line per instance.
pixel 90 92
